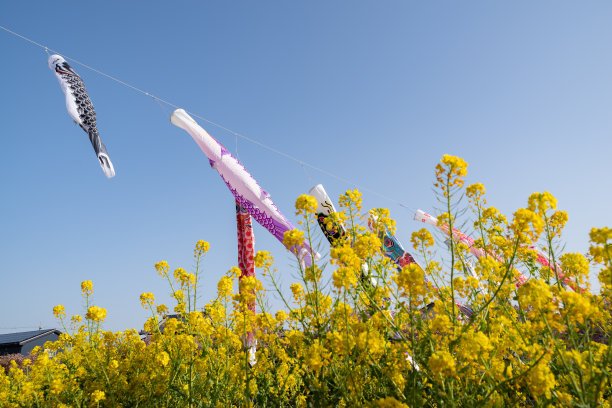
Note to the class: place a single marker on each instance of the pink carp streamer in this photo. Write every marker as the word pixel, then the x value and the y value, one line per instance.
pixel 458 236
pixel 544 260
pixel 242 185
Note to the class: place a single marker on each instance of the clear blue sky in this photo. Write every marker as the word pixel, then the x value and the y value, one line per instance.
pixel 375 92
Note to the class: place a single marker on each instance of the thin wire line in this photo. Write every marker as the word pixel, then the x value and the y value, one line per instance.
pixel 307 175
pixel 160 105
pixel 236 134
pixel 236 141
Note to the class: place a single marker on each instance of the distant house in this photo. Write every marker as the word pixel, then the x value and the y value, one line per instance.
pixel 24 342
pixel 164 321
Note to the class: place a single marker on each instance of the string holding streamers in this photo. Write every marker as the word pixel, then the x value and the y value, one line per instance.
pixel 164 109
pixel 236 140
pixel 307 174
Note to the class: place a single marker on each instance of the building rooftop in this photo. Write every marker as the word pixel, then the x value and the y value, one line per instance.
pixel 24 337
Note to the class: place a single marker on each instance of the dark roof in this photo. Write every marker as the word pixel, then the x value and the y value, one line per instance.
pixel 24 337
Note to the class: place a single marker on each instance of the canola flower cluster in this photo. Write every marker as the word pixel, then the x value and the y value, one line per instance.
pixel 365 334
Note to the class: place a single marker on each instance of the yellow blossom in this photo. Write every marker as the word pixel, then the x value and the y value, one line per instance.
pixel 201 248
pixel 59 311
pixel 292 239
pixel 601 235
pixel 96 314
pixel 344 277
pixel 162 268
pixel 411 279
pixel 422 238
pixel 162 309
pixel 450 173
pixel 184 278
pixel 575 267
pixel 366 245
pixel 390 402
pixel 298 291
pixel 86 288
pixel 147 299
pixel 541 380
pixel 163 358
pixel 263 259
pixel 442 363
pixel 351 200
pixel 97 396
pixel 306 203
pixel 225 287
pixel 475 190
pixel 526 224
pixel 540 202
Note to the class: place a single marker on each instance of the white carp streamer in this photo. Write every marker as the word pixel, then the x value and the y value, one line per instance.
pixel 242 185
pixel 80 108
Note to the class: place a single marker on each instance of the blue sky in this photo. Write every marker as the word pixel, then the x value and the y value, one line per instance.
pixel 373 92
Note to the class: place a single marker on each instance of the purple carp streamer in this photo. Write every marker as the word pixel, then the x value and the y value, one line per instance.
pixel 242 185
pixel 80 108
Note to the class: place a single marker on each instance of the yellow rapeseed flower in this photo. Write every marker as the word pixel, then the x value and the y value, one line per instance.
pixel 234 272
pixel 293 238
pixel 201 248
pixel 575 267
pixel 59 311
pixel 147 299
pixel 97 396
pixel 163 358
pixel 577 306
pixel 87 288
pixel 540 202
pixel 96 314
pixel 420 238
pixel 298 291
pixel 442 363
pixel 225 287
pixel 367 245
pixel 389 402
pixel 344 278
pixel 451 171
pixel 306 204
pixel 351 200
pixel 162 268
pixel 263 259
pixel 541 380
pixel 162 309
pixel 527 224
pixel 411 279
pixel 475 191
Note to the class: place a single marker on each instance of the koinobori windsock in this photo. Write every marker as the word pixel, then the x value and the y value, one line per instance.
pixel 80 108
pixel 541 258
pixel 246 242
pixel 392 248
pixel 242 185
pixel 246 263
pixel 459 236
pixel 331 229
